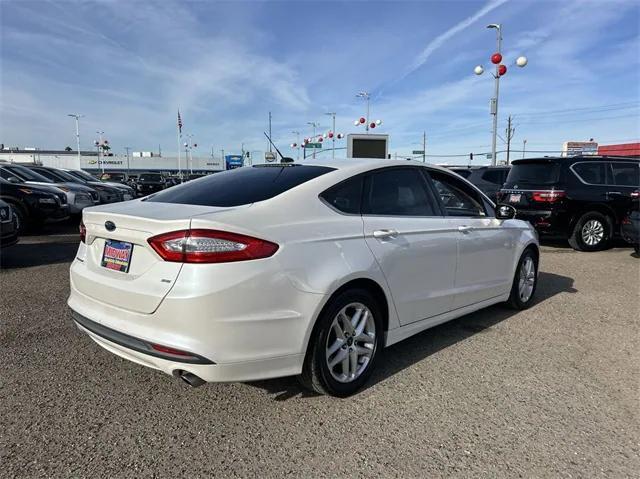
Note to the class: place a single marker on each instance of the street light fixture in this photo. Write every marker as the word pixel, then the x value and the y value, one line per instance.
pixel 501 70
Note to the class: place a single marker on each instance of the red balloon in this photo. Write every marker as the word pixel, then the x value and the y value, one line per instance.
pixel 372 125
pixel 496 58
pixel 320 139
pixel 294 145
pixel 330 135
pixel 362 119
pixel 502 70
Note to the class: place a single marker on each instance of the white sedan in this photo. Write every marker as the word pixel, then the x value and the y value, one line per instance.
pixel 295 269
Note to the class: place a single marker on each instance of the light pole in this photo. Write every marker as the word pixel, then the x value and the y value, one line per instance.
pixel 127 148
pixel 524 146
pixel 333 136
pixel 501 69
pixel 315 125
pixel 297 143
pixel 365 96
pixel 77 117
pixel 99 144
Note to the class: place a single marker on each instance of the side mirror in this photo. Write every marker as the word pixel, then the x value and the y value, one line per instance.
pixel 13 179
pixel 505 212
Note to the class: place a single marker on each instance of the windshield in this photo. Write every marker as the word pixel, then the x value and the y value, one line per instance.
pixel 27 175
pixel 241 186
pixel 81 175
pixel 151 177
pixel 112 177
pixel 540 173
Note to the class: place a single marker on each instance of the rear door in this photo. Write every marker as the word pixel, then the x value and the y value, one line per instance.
pixel 624 182
pixel 413 244
pixel 485 248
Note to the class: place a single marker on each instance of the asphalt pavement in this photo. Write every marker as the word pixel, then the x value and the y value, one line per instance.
pixel 549 392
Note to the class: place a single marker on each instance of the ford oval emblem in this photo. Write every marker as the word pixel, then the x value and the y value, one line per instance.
pixel 110 225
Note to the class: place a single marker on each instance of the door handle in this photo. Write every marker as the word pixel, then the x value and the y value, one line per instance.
pixel 614 193
pixel 465 229
pixel 384 234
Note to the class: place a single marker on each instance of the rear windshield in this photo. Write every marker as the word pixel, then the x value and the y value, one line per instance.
pixel 151 177
pixel 28 175
pixel 542 173
pixel 241 186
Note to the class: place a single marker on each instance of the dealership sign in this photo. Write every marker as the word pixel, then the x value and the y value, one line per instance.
pixel 579 148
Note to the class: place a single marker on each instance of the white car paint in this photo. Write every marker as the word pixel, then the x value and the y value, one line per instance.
pixel 253 319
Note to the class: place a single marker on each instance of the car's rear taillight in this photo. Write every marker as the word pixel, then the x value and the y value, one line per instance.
pixel 547 196
pixel 626 220
pixel 83 232
pixel 210 246
pixel 635 194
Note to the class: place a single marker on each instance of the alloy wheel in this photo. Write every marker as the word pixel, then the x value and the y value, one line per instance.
pixel 351 342
pixel 527 279
pixel 592 232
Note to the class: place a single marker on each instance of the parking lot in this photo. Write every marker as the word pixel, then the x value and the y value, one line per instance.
pixel 551 391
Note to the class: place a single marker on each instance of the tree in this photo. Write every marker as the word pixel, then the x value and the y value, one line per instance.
pixel 67 148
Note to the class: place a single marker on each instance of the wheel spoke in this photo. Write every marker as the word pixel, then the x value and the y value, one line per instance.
pixel 365 338
pixel 337 344
pixel 353 360
pixel 338 330
pixel 362 323
pixel 341 356
pixel 364 351
pixel 355 319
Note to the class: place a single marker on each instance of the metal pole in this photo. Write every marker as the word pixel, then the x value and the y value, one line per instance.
pixel 494 105
pixel 271 137
pixel 224 163
pixel 127 148
pixel 368 116
pixel 424 146
pixel 179 160
pixel 333 143
pixel 297 133
pixel 524 147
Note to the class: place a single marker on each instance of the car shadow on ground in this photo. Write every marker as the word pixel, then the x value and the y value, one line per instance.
pixel 26 255
pixel 400 356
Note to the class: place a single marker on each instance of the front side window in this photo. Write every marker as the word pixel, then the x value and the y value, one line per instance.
pixel 626 174
pixel 346 196
pixel 593 173
pixel 397 192
pixel 456 196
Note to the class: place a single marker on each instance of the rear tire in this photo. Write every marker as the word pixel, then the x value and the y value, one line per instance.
pixel 592 232
pixel 525 281
pixel 22 218
pixel 344 345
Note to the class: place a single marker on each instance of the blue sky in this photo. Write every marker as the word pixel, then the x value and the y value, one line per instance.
pixel 129 65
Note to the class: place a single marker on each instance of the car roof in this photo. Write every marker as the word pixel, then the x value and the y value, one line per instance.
pixel 357 165
pixel 568 159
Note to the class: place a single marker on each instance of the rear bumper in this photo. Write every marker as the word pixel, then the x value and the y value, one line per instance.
pixel 546 222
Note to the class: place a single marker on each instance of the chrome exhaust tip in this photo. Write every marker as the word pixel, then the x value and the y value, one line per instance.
pixel 189 378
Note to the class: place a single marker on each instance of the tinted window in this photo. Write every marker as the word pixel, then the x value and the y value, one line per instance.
pixel 494 176
pixel 112 177
pixel 240 186
pixel 346 196
pixel 150 177
pixel 626 174
pixel 26 174
pixel 82 174
pixel 398 192
pixel 593 173
pixel 457 198
pixel 463 173
pixel 53 176
pixel 540 173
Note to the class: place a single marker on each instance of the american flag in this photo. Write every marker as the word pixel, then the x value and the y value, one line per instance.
pixel 179 122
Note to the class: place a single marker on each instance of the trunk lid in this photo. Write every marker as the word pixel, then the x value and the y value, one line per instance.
pixel 148 279
pixel 531 179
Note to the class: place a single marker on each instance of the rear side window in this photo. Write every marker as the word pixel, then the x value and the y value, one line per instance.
pixel 626 174
pixel 463 173
pixel 240 186
pixel 593 173
pixel 494 176
pixel 538 173
pixel 346 196
pixel 146 177
pixel 397 192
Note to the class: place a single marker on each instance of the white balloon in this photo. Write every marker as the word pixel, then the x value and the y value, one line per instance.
pixel 522 61
pixel 478 70
pixel 356 122
pixel 378 122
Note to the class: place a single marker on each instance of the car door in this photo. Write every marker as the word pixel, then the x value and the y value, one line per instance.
pixel 485 248
pixel 413 244
pixel 624 182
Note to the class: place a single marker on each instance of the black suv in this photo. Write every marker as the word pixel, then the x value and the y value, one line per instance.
pixel 583 198
pixel 489 179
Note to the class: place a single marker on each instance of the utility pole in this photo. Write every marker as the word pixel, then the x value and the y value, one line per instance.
pixel 424 146
pixel 509 133
pixel 127 148
pixel 315 125
pixel 333 135
pixel 77 117
pixel 224 163
pixel 270 137
pixel 524 146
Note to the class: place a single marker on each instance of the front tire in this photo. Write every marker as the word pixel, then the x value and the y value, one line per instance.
pixel 592 232
pixel 525 281
pixel 345 344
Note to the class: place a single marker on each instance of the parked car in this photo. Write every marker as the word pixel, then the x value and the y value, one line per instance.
pixel 150 183
pixel 78 196
pixel 8 225
pixel 109 192
pixel 488 178
pixel 582 199
pixel 33 205
pixel 119 177
pixel 284 269
pixel 58 176
pixel 630 228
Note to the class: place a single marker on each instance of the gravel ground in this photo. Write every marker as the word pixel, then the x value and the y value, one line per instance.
pixel 548 392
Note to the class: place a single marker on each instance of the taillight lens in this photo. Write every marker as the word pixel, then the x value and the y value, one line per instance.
pixel 626 220
pixel 210 246
pixel 547 196
pixel 83 232
pixel 635 194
